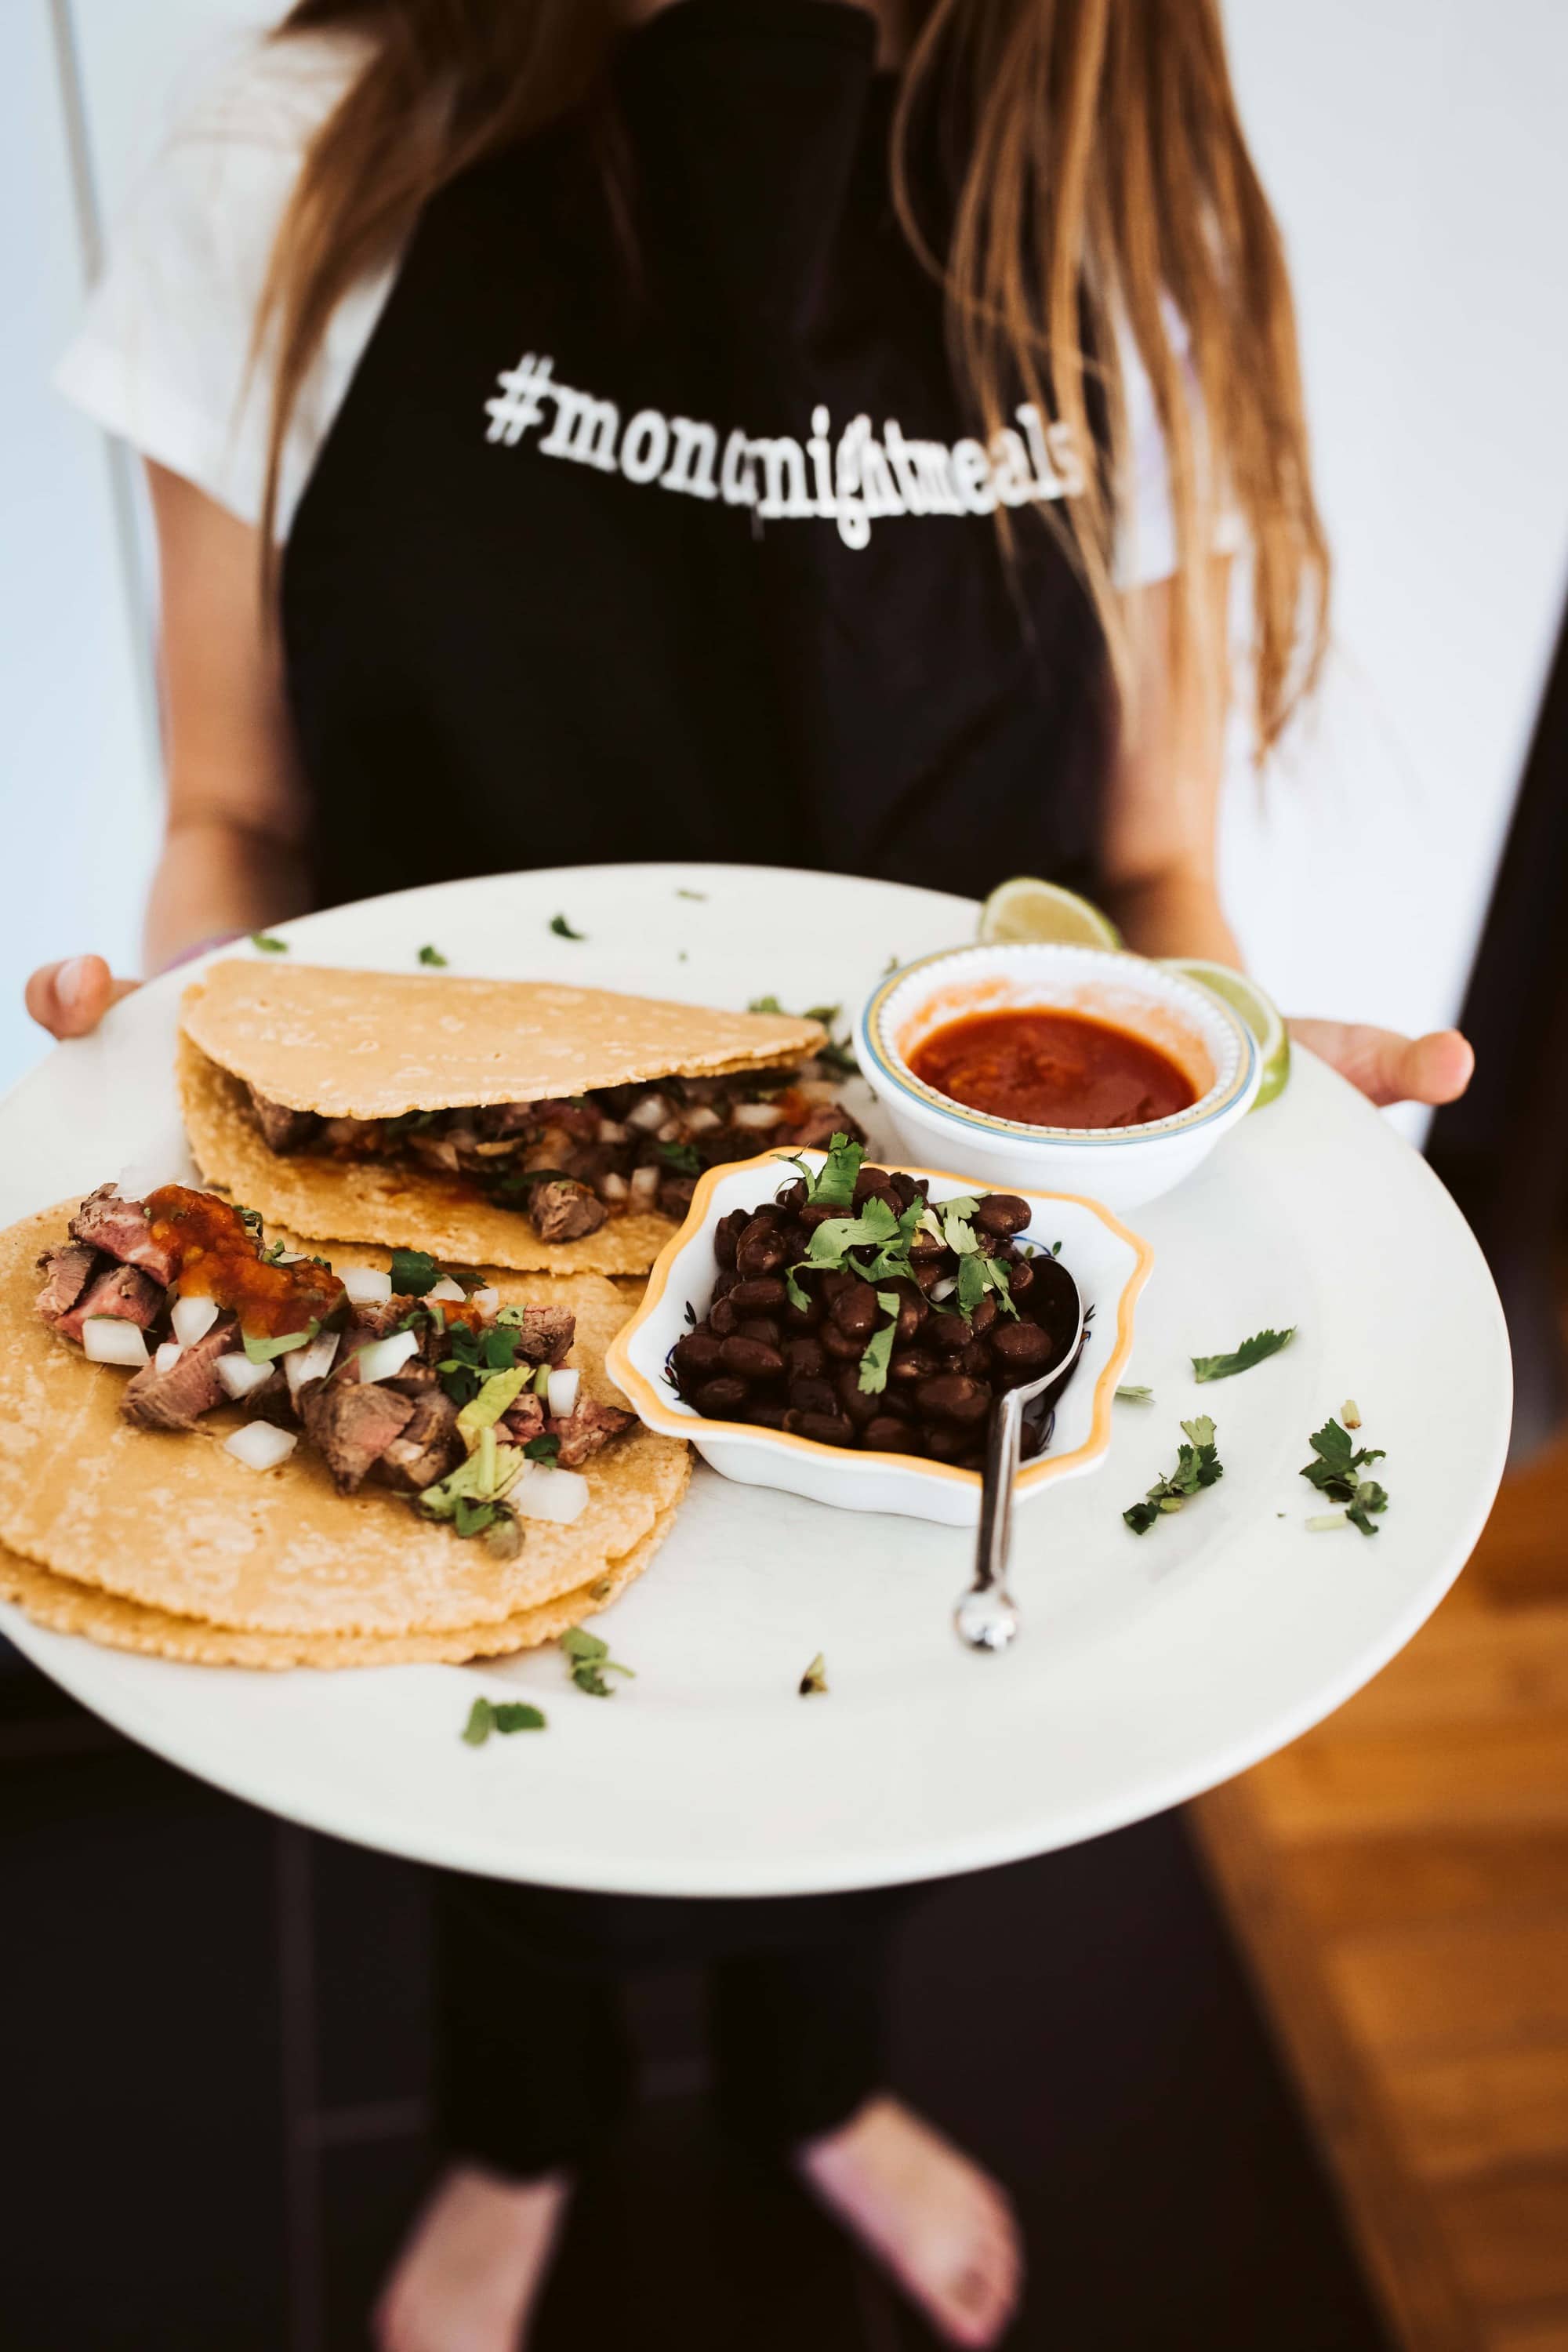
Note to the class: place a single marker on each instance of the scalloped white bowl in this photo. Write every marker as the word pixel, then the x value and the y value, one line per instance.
pixel 1109 1263
pixel 1210 1044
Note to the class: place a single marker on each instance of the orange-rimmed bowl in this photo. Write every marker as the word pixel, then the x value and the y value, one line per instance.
pixel 1109 1263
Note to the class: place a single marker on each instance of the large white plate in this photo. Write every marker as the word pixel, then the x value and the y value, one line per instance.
pixel 1149 1668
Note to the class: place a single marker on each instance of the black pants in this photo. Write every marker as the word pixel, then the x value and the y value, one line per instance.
pixel 534 2060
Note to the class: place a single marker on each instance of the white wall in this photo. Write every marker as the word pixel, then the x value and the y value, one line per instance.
pixel 1413 151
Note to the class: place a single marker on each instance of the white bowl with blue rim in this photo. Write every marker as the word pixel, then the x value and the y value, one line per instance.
pixel 1210 1044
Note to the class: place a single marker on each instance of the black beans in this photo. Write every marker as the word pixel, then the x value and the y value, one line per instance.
pixel 953 1396
pixel 1022 1347
pixel 1002 1213
pixel 751 1360
pixel 759 1293
pixel 886 1435
pixel 823 1428
pixel 855 1313
pixel 805 1355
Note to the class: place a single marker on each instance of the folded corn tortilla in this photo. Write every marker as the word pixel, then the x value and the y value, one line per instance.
pixel 369 1045
pixel 171 1522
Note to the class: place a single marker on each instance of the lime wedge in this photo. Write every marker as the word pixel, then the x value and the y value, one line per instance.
pixel 1027 911
pixel 1259 1012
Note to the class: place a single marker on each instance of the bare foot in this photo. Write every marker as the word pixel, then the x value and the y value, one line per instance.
pixel 944 2228
pixel 471 2270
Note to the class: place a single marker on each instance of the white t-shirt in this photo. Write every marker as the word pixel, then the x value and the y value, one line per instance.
pixel 165 357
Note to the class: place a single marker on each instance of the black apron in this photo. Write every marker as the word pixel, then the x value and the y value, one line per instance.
pixel 604 556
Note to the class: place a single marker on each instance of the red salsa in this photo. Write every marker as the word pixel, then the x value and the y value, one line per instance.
pixel 1051 1069
pixel 215 1257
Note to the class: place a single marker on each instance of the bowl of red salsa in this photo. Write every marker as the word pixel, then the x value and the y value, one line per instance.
pixel 1073 1070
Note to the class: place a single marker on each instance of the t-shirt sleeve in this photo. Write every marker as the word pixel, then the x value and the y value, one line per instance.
pixel 165 357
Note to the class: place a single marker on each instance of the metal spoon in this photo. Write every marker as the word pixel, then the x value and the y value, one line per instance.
pixel 987 1616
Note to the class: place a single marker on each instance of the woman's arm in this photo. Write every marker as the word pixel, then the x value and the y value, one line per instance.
pixel 235 843
pixel 1159 853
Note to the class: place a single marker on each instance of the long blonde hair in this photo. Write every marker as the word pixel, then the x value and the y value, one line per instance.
pixel 1104 192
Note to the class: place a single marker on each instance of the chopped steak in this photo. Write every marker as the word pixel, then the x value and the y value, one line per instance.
pixel 524 1419
pixel 586 1429
pixel 426 1447
pixel 282 1129
pixel 351 1423
pixel 273 1401
pixel 175 1399
pixel 816 1130
pixel 65 1271
pixel 545 1334
pixel 118 1292
pixel 123 1230
pixel 416 1379
pixel 374 1320
pixel 674 1197
pixel 565 1212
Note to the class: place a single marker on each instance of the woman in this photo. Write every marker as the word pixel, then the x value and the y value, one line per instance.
pixel 788 430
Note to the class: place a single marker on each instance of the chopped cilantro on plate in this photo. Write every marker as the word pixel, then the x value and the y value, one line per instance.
pixel 1261 1345
pixel 1197 1465
pixel 590 1662
pixel 563 929
pixel 430 955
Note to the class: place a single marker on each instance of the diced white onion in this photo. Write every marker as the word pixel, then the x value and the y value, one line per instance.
pixel 669 1132
pixel 701 1120
pixel 446 1289
pixel 756 1117
pixel 650 1115
pixel 540 1493
pixel 310 1364
pixel 260 1444
pixel 612 1188
pixel 613 1131
pixel 240 1375
pixel 290 1257
pixel 364 1286
pixel 942 1289
pixel 165 1358
pixel 561 1393
pixel 384 1356
pixel 818 1090
pixel 643 1191
pixel 110 1340
pixel 193 1319
pixel 488 1301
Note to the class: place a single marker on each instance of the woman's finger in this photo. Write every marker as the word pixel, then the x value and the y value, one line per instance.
pixel 1388 1067
pixel 71 998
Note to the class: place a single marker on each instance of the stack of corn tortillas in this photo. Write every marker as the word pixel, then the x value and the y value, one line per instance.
pixel 162 1542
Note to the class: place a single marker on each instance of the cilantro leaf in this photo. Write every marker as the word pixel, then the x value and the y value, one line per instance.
pixel 815 1679
pixel 1131 1394
pixel 413 1272
pixel 1241 1360
pixel 543 1449
pixel 515 1714
pixel 1197 1465
pixel 590 1661
pixel 263 1350
pixel 872 1377
pixel 432 956
pixel 269 944
pixel 469 1518
pixel 691 894
pixel 764 1005
pixel 682 1157
pixel 833 1186
pixel 1338 1460
pixel 563 929
pixel 506 1714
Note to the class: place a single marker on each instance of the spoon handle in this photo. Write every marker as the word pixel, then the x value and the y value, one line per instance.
pixel 1002 1439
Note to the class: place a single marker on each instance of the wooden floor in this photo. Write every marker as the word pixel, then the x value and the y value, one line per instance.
pixel 1399 1877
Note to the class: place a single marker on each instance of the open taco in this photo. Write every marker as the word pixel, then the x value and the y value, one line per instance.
pixel 510 1123
pixel 307 1465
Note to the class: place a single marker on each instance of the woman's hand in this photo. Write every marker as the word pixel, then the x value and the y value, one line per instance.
pixel 1388 1067
pixel 71 998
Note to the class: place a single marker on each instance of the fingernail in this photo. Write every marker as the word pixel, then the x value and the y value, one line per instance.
pixel 70 982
